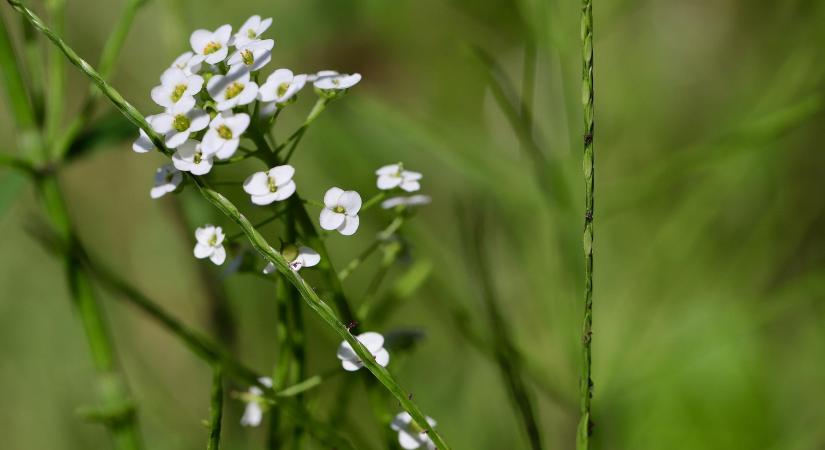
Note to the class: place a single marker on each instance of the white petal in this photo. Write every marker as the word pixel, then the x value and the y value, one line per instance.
pixel 345 352
pixel 269 268
pixel 218 256
pixel 199 119
pixel 390 169
pixel 199 40
pixel 194 84
pixel 351 366
pixel 382 357
pixel 387 182
pixel 264 199
pixel 163 123
pixel 172 76
pixel 218 56
pixel 410 175
pixel 410 185
pixel 264 25
pixel 176 138
pixel 252 415
pixel 247 96
pixel 407 440
pixel 401 421
pixel 159 191
pixel 204 167
pixel 212 141
pixel 183 105
pixel 161 95
pixel 142 144
pixel 202 250
pixel 223 33
pixel 351 201
pixel 331 220
pixel 309 256
pixel 204 233
pixel 331 197
pixel 372 340
pixel 238 123
pixel 228 149
pixel 282 174
pixel 350 225
pixel 256 184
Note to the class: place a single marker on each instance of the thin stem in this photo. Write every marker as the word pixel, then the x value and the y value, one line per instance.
pixel 56 90
pixel 374 200
pixel 216 409
pixel 295 138
pixel 259 225
pixel 21 107
pixel 586 383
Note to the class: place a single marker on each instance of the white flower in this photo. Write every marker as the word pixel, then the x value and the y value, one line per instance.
pixel 210 244
pixel 394 175
pixel 179 121
pixel 410 434
pixel 281 86
pixel 273 185
pixel 190 157
pixel 211 46
pixel 254 411
pixel 224 134
pixel 251 30
pixel 340 211
pixel 188 62
pixel 167 179
pixel 374 343
pixel 297 257
pixel 176 85
pixel 327 80
pixel 252 56
pixel 413 200
pixel 233 89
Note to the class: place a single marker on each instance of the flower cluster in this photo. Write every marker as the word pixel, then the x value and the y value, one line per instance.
pixel 212 98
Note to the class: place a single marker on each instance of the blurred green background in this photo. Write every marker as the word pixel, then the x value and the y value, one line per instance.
pixel 710 253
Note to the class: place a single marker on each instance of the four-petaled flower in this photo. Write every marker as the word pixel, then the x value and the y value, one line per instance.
pixel 179 121
pixel 374 343
pixel 412 200
pixel 190 157
pixel 410 435
pixel 281 86
pixel 175 86
pixel 233 89
pixel 167 179
pixel 224 134
pixel 252 56
pixel 297 257
pixel 251 30
pixel 330 80
pixel 211 46
pixel 255 405
pixel 394 175
pixel 271 186
pixel 341 211
pixel 210 244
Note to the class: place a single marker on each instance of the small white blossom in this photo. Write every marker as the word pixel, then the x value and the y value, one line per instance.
pixel 297 257
pixel 281 86
pixel 143 144
pixel 211 46
pixel 251 30
pixel 233 89
pixel 252 56
pixel 175 86
pixel 254 411
pixel 167 179
pixel 188 62
pixel 413 200
pixel 341 211
pixel 210 244
pixel 394 175
pixel 273 185
pixel 374 343
pixel 190 157
pixel 179 121
pixel 330 80
pixel 224 134
pixel 410 435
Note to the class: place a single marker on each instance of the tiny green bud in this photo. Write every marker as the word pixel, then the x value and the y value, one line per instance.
pixel 289 252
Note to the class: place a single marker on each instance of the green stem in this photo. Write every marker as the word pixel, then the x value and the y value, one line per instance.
pixel 374 200
pixel 295 138
pixel 385 234
pixel 56 89
pixel 16 92
pixel 216 409
pixel 588 165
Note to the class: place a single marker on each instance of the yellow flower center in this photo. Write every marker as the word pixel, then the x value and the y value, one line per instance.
pixel 211 47
pixel 247 57
pixel 251 33
pixel 270 183
pixel 181 122
pixel 178 92
pixel 282 88
pixel 213 240
pixel 233 90
pixel 339 209
pixel 198 157
pixel 224 132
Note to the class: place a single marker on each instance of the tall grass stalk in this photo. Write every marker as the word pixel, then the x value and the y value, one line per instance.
pixel 588 166
pixel 216 409
pixel 255 238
